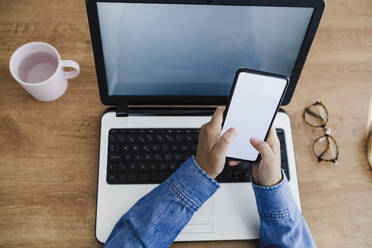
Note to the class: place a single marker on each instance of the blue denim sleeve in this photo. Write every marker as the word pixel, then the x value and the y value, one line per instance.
pixel 282 224
pixel 158 217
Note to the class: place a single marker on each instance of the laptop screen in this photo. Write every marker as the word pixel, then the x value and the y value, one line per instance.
pixel 180 49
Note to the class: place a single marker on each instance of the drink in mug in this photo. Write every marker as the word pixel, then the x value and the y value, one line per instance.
pixel 39 69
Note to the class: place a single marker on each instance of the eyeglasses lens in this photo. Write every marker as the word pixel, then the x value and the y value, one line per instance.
pixel 316 115
pixel 325 148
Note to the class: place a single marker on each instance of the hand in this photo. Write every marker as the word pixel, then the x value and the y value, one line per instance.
pixel 212 147
pixel 268 171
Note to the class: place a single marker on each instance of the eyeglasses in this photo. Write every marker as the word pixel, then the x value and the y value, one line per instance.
pixel 324 147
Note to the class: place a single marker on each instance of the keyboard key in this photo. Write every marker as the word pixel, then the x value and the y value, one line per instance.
pixel 144 177
pixel 150 137
pixel 243 166
pixel 125 147
pixel 142 166
pixel 157 156
pixel 160 138
pixel 167 156
pixel 179 138
pixel 245 176
pixel 188 138
pixel 165 147
pixel 159 177
pixel 155 148
pixel 131 138
pixel 111 178
pixel 121 138
pixel 153 166
pixel 193 147
pixel 173 166
pixel 112 138
pixel 122 166
pixel 135 148
pixel 132 166
pixel 186 156
pixel 177 156
pixel 132 177
pixel 114 148
pixel 147 157
pixel 114 157
pixel 141 139
pixel 146 148
pixel 169 138
pixel 163 166
pixel 184 147
pixel 137 157
pixel 227 175
pixel 123 178
pixel 111 167
pixel 175 148
pixel 236 176
pixel 127 157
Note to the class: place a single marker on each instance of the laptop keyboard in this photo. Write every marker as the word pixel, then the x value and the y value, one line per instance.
pixel 149 156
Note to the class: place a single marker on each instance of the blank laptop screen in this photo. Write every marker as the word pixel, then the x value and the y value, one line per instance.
pixel 179 49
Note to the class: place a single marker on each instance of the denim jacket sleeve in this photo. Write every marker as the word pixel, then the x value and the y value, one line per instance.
pixel 158 217
pixel 282 224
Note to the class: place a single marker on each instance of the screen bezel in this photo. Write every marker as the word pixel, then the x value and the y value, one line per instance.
pixel 277 106
pixel 106 99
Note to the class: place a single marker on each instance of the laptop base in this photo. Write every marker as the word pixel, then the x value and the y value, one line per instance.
pixel 210 222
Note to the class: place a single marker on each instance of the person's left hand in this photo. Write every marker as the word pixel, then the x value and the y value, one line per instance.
pixel 212 147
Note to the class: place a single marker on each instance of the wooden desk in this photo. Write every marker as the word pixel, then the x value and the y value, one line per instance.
pixel 49 151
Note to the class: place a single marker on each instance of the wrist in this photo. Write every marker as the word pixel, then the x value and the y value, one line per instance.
pixel 203 166
pixel 209 172
pixel 206 169
pixel 268 182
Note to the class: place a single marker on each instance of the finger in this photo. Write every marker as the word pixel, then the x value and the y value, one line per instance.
pixel 262 147
pixel 217 117
pixel 203 127
pixel 273 140
pixel 233 162
pixel 220 148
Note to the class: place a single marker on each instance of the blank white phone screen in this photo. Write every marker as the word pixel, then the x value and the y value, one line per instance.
pixel 252 108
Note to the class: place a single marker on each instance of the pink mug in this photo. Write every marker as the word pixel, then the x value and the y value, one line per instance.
pixel 38 68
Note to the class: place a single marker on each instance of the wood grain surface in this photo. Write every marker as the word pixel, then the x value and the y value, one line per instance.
pixel 49 151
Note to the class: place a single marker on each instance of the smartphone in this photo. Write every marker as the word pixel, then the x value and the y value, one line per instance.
pixel 254 100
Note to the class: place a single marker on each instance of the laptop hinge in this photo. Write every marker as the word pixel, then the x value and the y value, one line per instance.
pixel 121 110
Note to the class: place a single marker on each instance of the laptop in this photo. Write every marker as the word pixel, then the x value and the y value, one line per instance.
pixel 162 68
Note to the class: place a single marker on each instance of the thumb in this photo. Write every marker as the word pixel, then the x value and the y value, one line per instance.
pixel 262 147
pixel 224 141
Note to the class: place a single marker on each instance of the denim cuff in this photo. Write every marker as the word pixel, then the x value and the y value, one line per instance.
pixel 275 201
pixel 192 185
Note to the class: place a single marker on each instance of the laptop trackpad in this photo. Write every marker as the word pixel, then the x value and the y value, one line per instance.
pixel 202 221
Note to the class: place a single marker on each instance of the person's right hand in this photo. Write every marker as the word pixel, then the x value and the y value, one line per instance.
pixel 268 171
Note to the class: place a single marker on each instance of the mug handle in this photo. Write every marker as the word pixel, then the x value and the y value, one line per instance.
pixel 72 64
